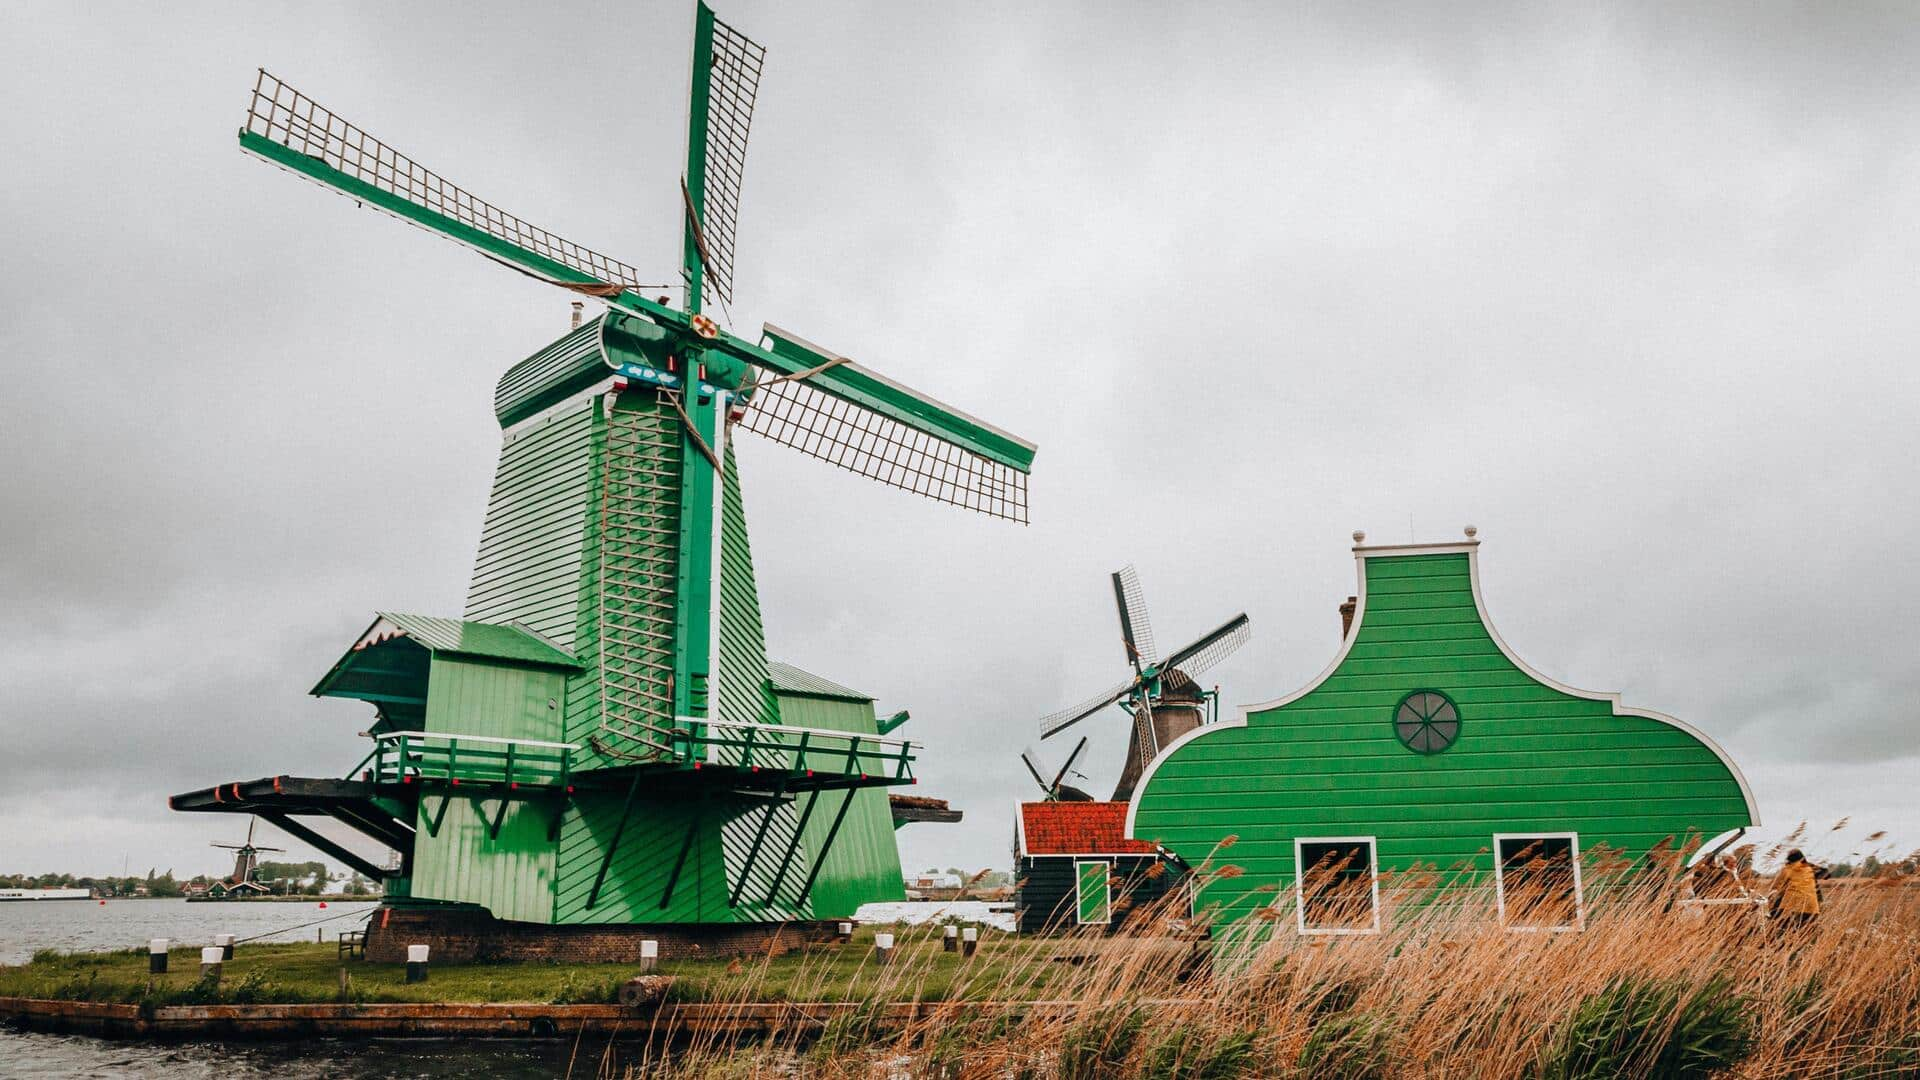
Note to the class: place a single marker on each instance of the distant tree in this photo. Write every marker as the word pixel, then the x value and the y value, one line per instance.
pixel 357 886
pixel 292 877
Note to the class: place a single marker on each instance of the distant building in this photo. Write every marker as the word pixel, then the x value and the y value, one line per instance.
pixel 1074 866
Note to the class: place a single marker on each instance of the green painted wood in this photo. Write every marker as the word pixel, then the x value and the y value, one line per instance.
pixel 1530 757
pixel 863 865
pixel 1093 896
pixel 529 567
pixel 566 367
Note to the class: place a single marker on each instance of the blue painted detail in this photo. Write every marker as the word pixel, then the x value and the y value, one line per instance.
pixel 647 374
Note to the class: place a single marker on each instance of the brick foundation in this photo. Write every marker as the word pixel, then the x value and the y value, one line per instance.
pixel 466 935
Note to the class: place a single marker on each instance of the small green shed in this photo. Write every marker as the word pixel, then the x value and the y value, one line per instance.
pixel 1429 742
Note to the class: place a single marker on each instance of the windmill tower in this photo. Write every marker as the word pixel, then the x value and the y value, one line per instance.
pixel 246 856
pixel 1161 700
pixel 597 739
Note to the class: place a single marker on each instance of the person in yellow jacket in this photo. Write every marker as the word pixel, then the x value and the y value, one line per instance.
pixel 1796 899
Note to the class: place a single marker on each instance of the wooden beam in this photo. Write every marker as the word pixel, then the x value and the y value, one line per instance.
pixel 294 828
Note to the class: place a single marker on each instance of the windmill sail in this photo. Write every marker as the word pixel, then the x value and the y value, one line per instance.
pixel 726 78
pixel 1212 648
pixel 813 400
pixel 1136 632
pixel 289 129
pixel 1054 723
pixel 846 415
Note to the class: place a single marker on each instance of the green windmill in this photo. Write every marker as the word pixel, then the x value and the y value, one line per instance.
pixel 600 739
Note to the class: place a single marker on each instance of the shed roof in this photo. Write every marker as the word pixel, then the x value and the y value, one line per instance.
pixel 500 641
pixel 787 679
pixel 1078 828
pixel 400 682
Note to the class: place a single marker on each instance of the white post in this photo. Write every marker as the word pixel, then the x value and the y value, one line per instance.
pixel 882 948
pixel 846 933
pixel 416 963
pixel 969 940
pixel 210 958
pixel 950 941
pixel 157 956
pixel 649 955
pixel 225 941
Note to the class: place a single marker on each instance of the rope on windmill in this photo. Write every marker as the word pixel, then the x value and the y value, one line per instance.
pixel 693 432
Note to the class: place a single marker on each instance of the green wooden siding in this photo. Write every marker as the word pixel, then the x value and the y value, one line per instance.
pixel 863 865
pixel 1529 757
pixel 528 569
pixel 501 701
pixel 568 366
pixel 510 875
pixel 1093 892
pixel 744 695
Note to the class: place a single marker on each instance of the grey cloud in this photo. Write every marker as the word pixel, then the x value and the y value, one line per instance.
pixel 1629 286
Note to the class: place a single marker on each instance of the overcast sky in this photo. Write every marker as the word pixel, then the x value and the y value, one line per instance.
pixel 1631 288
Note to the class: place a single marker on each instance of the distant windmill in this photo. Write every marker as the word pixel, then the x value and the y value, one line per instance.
pixel 1056 790
pixel 1162 698
pixel 246 856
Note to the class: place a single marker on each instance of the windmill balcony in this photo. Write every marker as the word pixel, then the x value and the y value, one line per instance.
pixel 793 755
pixel 771 756
pixel 743 755
pixel 406 757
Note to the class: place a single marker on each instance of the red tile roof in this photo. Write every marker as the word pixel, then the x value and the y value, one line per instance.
pixel 1079 828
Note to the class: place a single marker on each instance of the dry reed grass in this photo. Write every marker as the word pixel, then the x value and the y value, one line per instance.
pixel 1647 988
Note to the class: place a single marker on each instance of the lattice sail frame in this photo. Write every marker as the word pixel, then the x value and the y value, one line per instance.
pixel 840 432
pixel 1055 722
pixel 1132 601
pixel 1211 649
pixel 283 115
pixel 734 83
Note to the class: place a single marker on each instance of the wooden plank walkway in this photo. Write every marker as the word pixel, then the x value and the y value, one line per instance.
pixel 473 1020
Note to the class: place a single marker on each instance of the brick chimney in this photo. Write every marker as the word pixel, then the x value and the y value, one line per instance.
pixel 1346 616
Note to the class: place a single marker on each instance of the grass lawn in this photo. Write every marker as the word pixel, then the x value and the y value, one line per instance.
pixel 1006 966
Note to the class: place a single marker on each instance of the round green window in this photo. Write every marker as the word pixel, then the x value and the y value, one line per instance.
pixel 1426 722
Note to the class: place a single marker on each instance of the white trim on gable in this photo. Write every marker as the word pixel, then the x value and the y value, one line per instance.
pixel 1613 699
pixel 1471 549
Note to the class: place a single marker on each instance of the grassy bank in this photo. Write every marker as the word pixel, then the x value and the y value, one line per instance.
pixel 308 973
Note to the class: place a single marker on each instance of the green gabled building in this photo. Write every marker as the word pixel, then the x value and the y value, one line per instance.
pixel 1428 742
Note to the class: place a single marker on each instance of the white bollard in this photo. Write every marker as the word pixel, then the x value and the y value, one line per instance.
pixel 882 948
pixel 416 963
pixel 210 962
pixel 846 933
pixel 969 940
pixel 225 941
pixel 950 941
pixel 649 955
pixel 157 956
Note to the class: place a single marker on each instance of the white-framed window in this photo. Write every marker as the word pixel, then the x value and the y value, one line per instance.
pixel 1338 884
pixel 1537 880
pixel 1092 892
